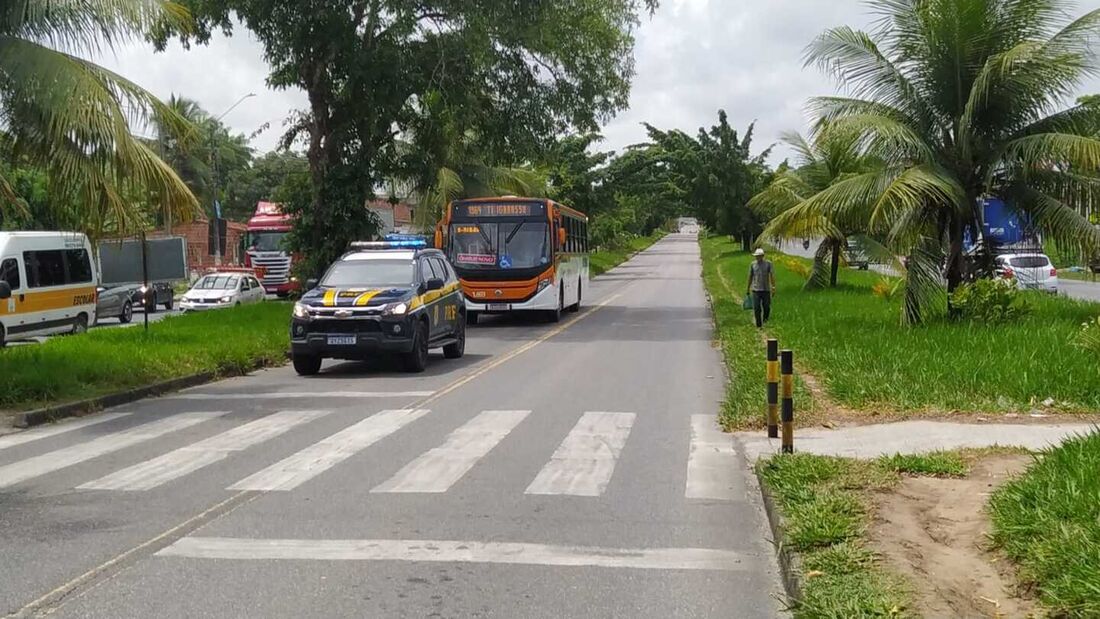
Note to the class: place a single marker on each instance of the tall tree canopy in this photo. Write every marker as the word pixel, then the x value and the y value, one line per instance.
pixel 963 99
pixel 71 118
pixel 518 72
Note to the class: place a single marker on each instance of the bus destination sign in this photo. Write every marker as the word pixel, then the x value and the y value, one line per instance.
pixel 501 209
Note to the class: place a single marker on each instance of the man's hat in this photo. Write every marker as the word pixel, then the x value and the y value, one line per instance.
pixel 758 252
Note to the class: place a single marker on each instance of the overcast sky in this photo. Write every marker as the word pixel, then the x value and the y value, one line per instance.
pixel 693 57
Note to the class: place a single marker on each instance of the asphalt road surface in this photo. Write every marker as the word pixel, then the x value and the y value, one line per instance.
pixel 570 470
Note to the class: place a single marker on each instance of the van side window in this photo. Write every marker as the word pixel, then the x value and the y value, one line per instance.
pixel 45 268
pixel 80 267
pixel 9 272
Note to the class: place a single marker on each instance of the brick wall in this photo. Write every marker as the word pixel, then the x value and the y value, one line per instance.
pixel 198 249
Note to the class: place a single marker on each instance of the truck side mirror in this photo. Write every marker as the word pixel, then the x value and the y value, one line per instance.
pixel 311 283
pixel 5 290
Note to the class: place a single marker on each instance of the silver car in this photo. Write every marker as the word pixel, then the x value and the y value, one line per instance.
pixel 114 303
pixel 1029 271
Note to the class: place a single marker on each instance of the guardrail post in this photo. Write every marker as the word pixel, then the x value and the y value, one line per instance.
pixel 787 406
pixel 773 388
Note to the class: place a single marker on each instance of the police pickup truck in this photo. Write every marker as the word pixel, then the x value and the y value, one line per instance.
pixel 381 298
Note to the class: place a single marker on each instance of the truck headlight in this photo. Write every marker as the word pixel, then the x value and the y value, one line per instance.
pixel 301 311
pixel 395 309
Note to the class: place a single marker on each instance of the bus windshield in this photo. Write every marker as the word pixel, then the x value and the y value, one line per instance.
pixel 500 245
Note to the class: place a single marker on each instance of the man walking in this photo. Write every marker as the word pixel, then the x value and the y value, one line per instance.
pixel 761 287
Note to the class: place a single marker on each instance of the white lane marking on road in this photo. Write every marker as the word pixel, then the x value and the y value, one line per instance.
pixel 62 458
pixel 327 453
pixel 582 465
pixel 27 436
pixel 712 463
pixel 268 395
pixel 185 460
pixel 439 469
pixel 449 551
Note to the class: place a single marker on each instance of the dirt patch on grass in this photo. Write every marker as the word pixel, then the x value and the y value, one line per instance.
pixel 933 531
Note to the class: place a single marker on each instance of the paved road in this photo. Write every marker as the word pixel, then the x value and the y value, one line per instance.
pixel 556 471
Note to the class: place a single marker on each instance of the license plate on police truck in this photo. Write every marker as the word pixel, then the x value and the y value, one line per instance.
pixel 341 340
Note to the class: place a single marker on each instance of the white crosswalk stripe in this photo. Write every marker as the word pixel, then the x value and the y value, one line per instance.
pixel 27 436
pixel 582 465
pixel 280 395
pixel 712 471
pixel 321 456
pixel 173 465
pixel 63 458
pixel 439 469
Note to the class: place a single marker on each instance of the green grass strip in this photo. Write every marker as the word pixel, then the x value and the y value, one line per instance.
pixel 103 361
pixel 1048 521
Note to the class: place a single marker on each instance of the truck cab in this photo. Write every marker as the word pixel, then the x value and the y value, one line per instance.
pixel 265 250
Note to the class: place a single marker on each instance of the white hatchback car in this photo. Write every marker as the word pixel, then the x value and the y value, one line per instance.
pixel 218 290
pixel 1030 271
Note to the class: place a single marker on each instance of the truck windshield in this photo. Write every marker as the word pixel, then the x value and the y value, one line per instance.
pixel 370 274
pixel 504 245
pixel 266 241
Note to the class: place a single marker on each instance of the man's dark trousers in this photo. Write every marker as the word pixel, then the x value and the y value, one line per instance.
pixel 761 306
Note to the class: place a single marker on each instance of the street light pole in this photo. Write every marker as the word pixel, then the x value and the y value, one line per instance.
pixel 217 179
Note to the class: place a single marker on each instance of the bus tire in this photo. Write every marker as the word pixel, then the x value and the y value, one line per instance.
pixel 416 360
pixel 456 350
pixel 471 318
pixel 576 307
pixel 555 314
pixel 307 365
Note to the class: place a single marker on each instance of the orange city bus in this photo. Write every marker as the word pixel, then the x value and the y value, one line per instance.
pixel 516 255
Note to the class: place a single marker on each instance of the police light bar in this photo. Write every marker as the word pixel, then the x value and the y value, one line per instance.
pixel 419 243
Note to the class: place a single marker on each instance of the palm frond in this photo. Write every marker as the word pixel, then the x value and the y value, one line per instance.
pixel 87 26
pixel 914 188
pixel 1044 150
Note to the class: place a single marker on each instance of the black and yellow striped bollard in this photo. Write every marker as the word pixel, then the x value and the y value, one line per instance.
pixel 787 404
pixel 773 388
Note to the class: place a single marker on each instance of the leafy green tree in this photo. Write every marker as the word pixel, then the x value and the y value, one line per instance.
pixel 828 157
pixel 260 181
pixel 577 177
pixel 962 99
pixel 519 72
pixel 70 118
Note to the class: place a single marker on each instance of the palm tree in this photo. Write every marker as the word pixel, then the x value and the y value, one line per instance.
pixel 830 156
pixel 963 99
pixel 72 118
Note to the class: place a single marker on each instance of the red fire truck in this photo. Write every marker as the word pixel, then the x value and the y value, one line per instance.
pixel 265 251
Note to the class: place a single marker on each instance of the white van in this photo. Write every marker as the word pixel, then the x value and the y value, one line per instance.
pixel 48 284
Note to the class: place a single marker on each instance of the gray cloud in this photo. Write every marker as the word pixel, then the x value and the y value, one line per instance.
pixel 692 58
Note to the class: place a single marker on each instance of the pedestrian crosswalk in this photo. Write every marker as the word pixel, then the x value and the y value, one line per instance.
pixel 584 463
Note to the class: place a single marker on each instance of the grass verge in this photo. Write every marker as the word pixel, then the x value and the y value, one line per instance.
pixel 865 359
pixel 1048 521
pixel 826 506
pixel 106 361
pixel 604 260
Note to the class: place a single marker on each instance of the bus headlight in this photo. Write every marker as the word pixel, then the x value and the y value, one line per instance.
pixel 301 311
pixel 395 309
pixel 544 284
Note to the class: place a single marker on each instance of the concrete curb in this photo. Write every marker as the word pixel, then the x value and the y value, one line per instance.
pixel 83 407
pixel 790 563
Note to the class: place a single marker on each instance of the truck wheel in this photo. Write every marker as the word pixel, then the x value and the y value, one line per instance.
pixel 416 360
pixel 456 350
pixel 307 365
pixel 80 325
pixel 127 313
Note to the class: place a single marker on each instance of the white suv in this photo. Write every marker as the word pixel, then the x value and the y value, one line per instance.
pixel 1030 271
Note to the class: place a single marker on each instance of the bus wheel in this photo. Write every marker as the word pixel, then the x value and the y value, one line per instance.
pixel 576 307
pixel 555 315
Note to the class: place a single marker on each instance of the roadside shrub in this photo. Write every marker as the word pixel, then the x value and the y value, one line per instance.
pixel 796 266
pixel 1089 337
pixel 990 300
pixel 887 289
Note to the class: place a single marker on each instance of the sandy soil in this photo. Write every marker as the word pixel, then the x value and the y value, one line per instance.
pixel 933 531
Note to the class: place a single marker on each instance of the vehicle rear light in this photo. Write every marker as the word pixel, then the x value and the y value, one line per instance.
pixel 1053 272
pixel 1009 274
